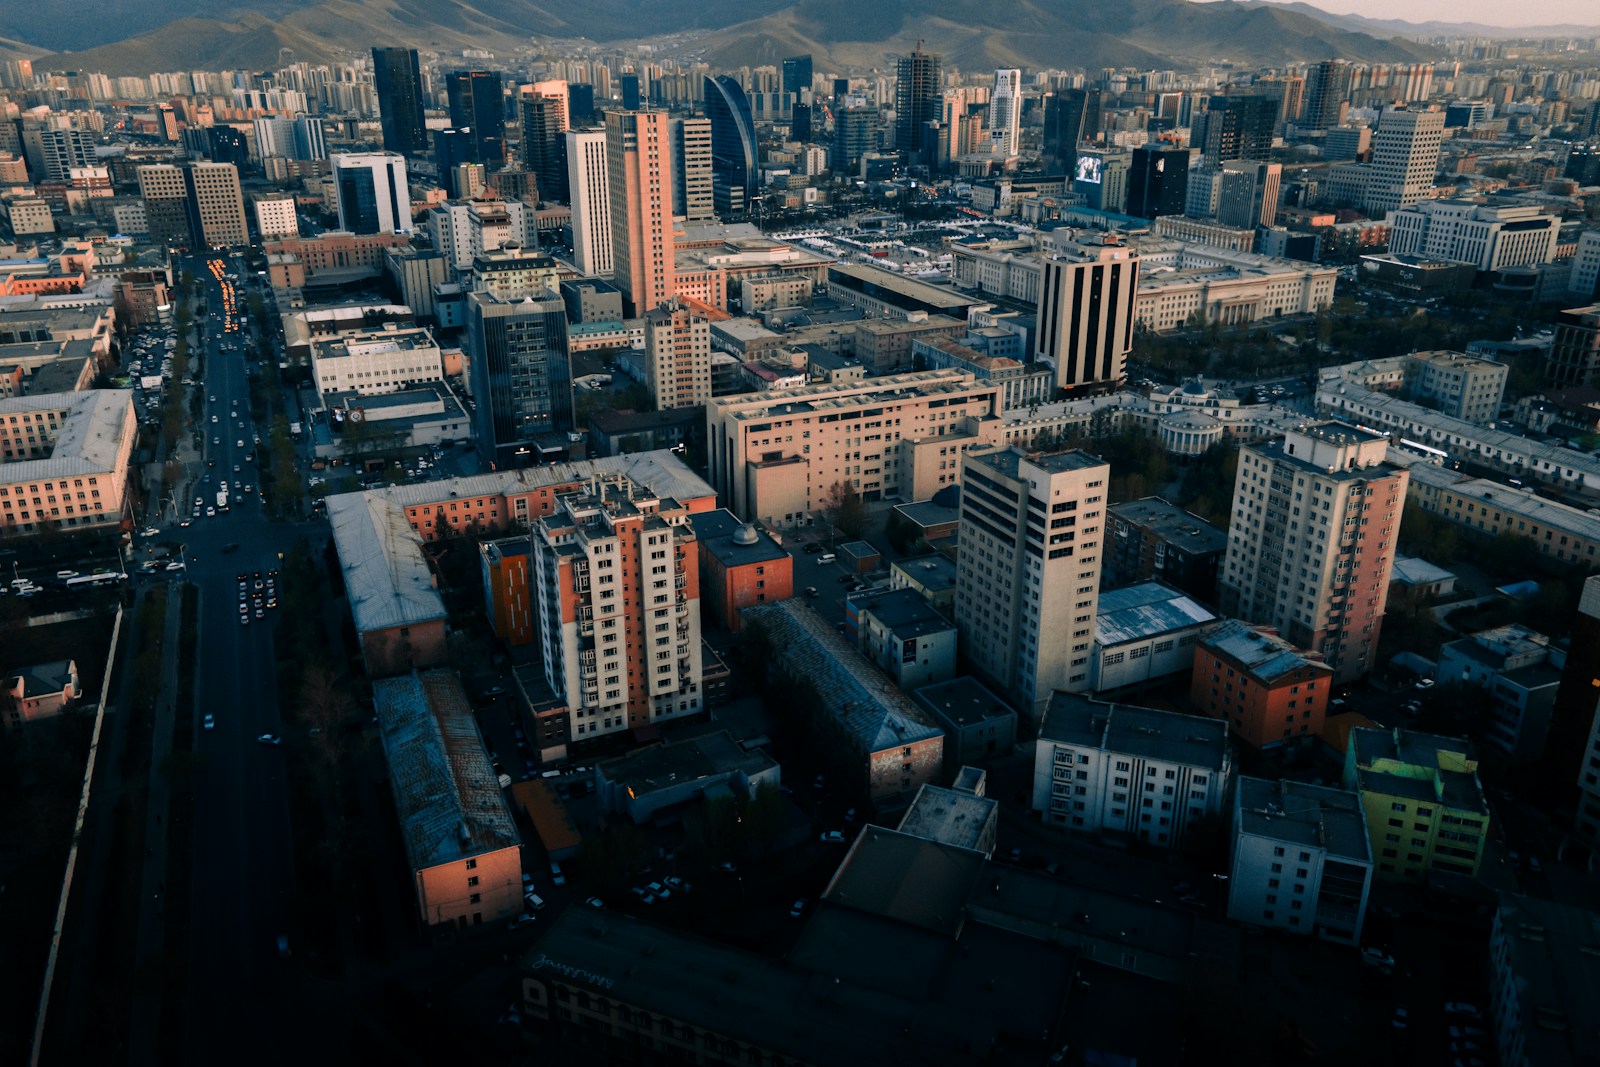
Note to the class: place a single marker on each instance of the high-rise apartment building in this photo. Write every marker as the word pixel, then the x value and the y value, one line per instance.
pixel 1327 91
pixel 917 96
pixel 1086 312
pixel 63 150
pixel 618 602
pixel 677 347
pixel 797 75
pixel 1158 181
pixel 1071 116
pixel 1312 541
pixel 691 169
pixel 477 105
pixel 521 376
pixel 589 188
pixel 397 83
pixel 166 204
pixel 1028 577
pixel 1236 127
pixel 1249 194
pixel 373 194
pixel 274 137
pixel 1005 113
pixel 1405 156
pixel 544 127
pixel 639 161
pixel 580 104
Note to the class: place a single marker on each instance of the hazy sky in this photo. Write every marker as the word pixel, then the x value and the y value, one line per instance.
pixel 1488 12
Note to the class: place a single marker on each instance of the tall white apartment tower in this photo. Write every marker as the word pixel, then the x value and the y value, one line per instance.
pixel 589 186
pixel 1005 113
pixel 1312 539
pixel 1405 156
pixel 1028 577
pixel 691 169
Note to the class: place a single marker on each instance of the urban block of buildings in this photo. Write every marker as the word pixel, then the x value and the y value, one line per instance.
pixel 1424 805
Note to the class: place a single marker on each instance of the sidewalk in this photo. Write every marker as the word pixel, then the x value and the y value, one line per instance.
pixel 150 945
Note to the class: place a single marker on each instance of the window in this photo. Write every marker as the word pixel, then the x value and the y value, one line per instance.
pixel 472 865
pixel 472 881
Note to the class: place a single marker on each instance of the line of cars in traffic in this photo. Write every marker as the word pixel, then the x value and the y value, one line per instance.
pixel 258 594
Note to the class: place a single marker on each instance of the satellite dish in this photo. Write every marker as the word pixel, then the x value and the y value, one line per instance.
pixel 356 415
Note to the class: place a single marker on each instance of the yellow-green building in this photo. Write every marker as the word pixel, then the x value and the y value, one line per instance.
pixel 1424 805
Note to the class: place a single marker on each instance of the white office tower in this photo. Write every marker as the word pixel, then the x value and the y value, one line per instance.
pixel 1405 157
pixel 588 185
pixel 1028 576
pixel 691 169
pixel 1085 317
pixel 372 192
pixel 274 137
pixel 1005 113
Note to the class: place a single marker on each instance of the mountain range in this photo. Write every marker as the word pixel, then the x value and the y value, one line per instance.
pixel 841 34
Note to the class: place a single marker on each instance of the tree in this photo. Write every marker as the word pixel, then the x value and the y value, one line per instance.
pixel 846 510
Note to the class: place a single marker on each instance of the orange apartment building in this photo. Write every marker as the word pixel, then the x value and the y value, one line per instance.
pixel 504 564
pixel 1268 692
pixel 617 592
pixel 741 565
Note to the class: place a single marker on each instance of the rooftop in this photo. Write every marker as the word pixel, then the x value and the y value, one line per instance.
pixel 1418 766
pixel 903 612
pixel 910 879
pixel 1312 815
pixel 1172 524
pixel 1552 954
pixel 731 541
pixel 934 572
pixel 446 793
pixel 89 434
pixel 386 575
pixel 869 707
pixel 1145 610
pixel 708 757
pixel 1166 736
pixel 906 288
pixel 951 817
pixel 661 470
pixel 962 701
pixel 1259 651
pixel 1411 570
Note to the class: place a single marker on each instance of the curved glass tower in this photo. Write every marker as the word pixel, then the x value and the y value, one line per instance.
pixel 733 132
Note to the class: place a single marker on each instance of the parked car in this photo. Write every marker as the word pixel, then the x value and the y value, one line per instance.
pixel 555 874
pixel 832 837
pixel 797 909
pixel 1376 957
pixel 270 739
pixel 1458 1007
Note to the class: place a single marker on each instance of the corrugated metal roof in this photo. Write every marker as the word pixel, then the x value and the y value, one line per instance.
pixel 386 576
pixel 1141 611
pixel 1263 654
pixel 663 472
pixel 867 704
pixel 89 436
pixel 445 789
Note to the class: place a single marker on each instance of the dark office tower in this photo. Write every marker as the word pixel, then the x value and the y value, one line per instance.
pixel 308 138
pixel 397 83
pixel 918 94
pixel 544 144
pixel 1327 89
pixel 521 374
pixel 855 132
pixel 451 148
pixel 476 105
pixel 1157 181
pixel 800 123
pixel 1236 127
pixel 796 74
pixel 580 105
pixel 1070 117
pixel 733 134
pixel 841 89
pixel 226 145
pixel 630 92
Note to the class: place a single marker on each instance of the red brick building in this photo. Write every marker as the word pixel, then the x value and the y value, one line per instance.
pixel 1269 692
pixel 740 566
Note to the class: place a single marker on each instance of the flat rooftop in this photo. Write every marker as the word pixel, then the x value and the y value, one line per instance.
pixel 962 701
pixel 732 542
pixel 709 758
pixel 1419 766
pixel 934 572
pixel 1263 655
pixel 1144 610
pixel 1312 815
pixel 903 612
pixel 1172 524
pixel 1166 736
pixel 951 817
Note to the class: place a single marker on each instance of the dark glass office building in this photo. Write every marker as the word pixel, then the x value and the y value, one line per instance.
pixel 1070 116
pixel 397 82
pixel 796 73
pixel 476 104
pixel 521 375
pixel 733 134
pixel 1158 180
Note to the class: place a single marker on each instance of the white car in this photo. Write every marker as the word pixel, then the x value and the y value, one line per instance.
pixel 210 722
pixel 270 739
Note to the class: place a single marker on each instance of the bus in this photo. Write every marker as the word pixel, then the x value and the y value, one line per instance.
pixel 98 578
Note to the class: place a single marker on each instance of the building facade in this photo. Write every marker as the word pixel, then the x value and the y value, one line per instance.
pixel 372 192
pixel 589 186
pixel 677 344
pixel 639 164
pixel 520 372
pixel 1312 541
pixel 1425 808
pixel 1268 692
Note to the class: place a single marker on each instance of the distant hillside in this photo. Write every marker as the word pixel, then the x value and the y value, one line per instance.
pixel 1400 28
pixel 841 33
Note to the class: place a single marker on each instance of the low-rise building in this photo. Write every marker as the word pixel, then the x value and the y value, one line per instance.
pixel 1420 578
pixel 1544 981
pixel 1425 807
pixel 1126 772
pixel 1455 384
pixel 1150 538
pixel 741 566
pixel 885 741
pixel 1520 670
pixel 1301 861
pixel 41 691
pixel 426 415
pixel 617 433
pixel 977 725
pixel 643 783
pixel 462 847
pixel 1268 692
pixel 962 816
pixel 932 576
pixel 1144 633
pixel 902 633
pixel 370 362
pixel 400 618
pixel 64 459
pixel 1489 237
